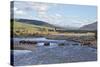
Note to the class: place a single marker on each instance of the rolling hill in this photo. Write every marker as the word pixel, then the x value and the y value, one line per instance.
pixel 92 26
pixel 34 22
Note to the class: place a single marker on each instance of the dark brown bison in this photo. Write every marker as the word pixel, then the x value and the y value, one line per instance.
pixel 27 42
pixel 46 44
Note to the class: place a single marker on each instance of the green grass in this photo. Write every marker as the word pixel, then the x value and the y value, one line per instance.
pixel 28 29
pixel 24 25
pixel 18 25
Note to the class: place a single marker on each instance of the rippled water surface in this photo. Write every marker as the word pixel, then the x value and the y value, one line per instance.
pixel 54 54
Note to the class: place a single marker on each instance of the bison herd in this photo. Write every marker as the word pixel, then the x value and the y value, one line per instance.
pixel 27 42
pixel 86 43
pixel 32 42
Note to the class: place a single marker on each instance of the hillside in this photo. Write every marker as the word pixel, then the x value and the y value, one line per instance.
pixel 34 22
pixel 24 29
pixel 92 26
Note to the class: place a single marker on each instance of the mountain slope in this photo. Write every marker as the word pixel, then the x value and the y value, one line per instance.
pixel 92 26
pixel 34 22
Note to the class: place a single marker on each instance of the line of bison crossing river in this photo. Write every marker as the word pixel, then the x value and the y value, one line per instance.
pixel 46 42
pixel 28 43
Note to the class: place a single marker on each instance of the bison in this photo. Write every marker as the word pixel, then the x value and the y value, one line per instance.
pixel 27 42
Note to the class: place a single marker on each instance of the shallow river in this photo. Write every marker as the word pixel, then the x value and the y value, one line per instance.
pixel 54 54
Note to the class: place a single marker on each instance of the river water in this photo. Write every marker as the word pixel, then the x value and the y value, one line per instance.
pixel 53 54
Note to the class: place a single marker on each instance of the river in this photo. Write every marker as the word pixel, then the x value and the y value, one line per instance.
pixel 53 54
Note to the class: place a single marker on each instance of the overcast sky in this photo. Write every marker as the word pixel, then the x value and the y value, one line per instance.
pixel 59 14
